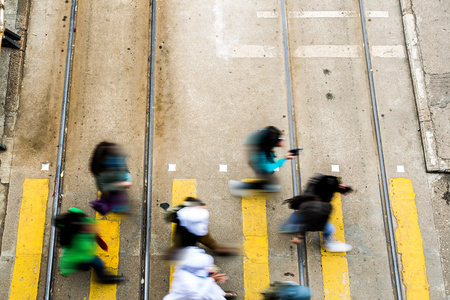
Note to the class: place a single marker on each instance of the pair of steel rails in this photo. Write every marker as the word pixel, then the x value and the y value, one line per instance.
pixel 296 170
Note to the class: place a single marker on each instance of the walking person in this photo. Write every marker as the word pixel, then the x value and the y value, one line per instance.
pixel 196 278
pixel 313 209
pixel 78 238
pixel 287 290
pixel 192 220
pixel 108 165
pixel 262 159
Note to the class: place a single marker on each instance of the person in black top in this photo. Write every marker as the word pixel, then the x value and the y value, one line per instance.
pixel 313 209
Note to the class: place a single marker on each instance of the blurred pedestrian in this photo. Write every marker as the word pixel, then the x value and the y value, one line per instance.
pixel 78 237
pixel 108 165
pixel 196 278
pixel 192 220
pixel 262 159
pixel 313 209
pixel 287 290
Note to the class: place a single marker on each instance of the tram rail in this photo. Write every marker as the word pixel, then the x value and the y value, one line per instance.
pixel 147 178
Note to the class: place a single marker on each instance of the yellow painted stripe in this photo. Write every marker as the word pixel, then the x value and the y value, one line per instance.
pixel 109 229
pixel 30 236
pixel 334 265
pixel 256 246
pixel 409 240
pixel 181 188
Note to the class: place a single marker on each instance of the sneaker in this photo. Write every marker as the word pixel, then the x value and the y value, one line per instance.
pixel 271 188
pixel 336 246
pixel 238 188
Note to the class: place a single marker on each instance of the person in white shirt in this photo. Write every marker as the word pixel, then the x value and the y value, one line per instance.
pixel 195 278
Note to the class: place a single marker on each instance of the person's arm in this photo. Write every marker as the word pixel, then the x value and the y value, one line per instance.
pixel 262 163
pixel 207 290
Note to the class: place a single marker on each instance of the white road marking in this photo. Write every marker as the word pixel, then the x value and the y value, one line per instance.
pixel 45 167
pixel 267 14
pixel 172 167
pixel 377 14
pixel 223 168
pixel 328 51
pixel 389 51
pixel 241 51
pixel 334 168
pixel 222 49
pixel 400 169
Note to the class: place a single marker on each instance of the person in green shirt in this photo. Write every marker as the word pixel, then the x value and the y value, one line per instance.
pixel 78 238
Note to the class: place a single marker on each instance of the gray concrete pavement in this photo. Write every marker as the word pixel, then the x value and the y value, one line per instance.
pixel 426 28
pixel 219 76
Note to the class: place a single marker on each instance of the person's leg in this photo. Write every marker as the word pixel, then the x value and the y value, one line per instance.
pixel 292 224
pixel 211 243
pixel 208 241
pixel 329 243
pixel 98 266
pixel 99 269
pixel 119 201
pixel 328 231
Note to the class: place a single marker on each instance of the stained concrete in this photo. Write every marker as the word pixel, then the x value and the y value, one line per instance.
pixel 209 95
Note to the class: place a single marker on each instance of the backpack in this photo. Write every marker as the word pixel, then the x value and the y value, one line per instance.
pixel 171 214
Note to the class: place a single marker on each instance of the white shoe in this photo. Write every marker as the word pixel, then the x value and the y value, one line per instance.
pixel 336 246
pixel 237 188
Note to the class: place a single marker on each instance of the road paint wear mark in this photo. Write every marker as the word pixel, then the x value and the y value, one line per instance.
pixel 322 14
pixel 256 51
pixel 109 230
pixel 420 82
pixel 348 51
pixel 181 188
pixel 256 246
pixel 30 237
pixel 334 265
pixel 397 51
pixel 409 240
pixel 344 51
pixel 430 143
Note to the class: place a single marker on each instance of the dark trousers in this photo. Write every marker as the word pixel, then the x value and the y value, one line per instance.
pixel 97 265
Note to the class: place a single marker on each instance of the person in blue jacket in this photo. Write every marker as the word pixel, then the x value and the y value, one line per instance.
pixel 262 159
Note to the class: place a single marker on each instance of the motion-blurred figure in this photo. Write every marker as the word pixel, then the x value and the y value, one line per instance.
pixel 112 177
pixel 262 158
pixel 287 290
pixel 78 238
pixel 192 220
pixel 313 209
pixel 196 278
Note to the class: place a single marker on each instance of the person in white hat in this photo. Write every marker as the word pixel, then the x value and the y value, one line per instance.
pixel 195 278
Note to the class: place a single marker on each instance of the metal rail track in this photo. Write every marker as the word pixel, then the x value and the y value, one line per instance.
pixel 60 167
pixel 59 180
pixel 296 171
pixel 384 194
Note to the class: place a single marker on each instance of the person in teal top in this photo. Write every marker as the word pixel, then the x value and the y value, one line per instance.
pixel 262 158
pixel 109 167
pixel 78 238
